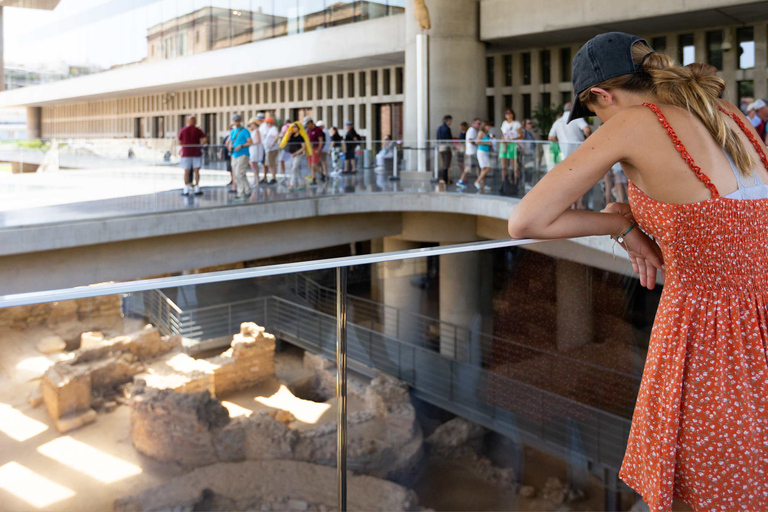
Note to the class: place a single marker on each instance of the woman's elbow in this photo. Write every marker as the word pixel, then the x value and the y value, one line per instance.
pixel 518 226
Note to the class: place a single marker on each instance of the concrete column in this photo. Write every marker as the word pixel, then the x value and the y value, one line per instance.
pixel 2 52
pixel 575 315
pixel 535 79
pixel 730 64
pixel 34 122
pixel 453 41
pixel 761 61
pixel 401 292
pixel 461 292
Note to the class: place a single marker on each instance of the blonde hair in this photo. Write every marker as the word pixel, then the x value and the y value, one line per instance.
pixel 695 87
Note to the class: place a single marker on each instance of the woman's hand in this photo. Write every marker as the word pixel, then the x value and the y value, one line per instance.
pixel 644 253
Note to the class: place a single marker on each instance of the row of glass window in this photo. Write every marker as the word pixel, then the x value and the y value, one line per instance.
pixel 745 48
pixel 291 90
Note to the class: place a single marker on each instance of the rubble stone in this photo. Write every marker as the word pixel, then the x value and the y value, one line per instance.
pixel 387 395
pixel 75 420
pixel 249 360
pixel 51 344
pixel 177 427
pixel 554 491
pixel 528 491
pixel 91 339
pixel 454 433
pixel 66 390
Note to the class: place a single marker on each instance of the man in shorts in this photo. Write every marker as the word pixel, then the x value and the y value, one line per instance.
pixel 239 141
pixel 317 140
pixel 271 141
pixel 191 139
pixel 470 153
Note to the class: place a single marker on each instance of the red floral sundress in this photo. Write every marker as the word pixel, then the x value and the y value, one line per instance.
pixel 700 427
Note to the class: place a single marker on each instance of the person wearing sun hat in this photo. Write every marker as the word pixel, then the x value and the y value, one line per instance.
pixel 271 141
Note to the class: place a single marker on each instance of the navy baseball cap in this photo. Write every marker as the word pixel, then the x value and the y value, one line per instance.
pixel 602 57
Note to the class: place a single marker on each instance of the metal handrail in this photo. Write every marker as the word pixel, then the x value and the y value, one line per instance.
pixel 97 290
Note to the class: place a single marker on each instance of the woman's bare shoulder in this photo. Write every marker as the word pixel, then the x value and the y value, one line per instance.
pixel 628 121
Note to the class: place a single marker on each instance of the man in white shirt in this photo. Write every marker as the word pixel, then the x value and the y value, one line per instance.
pixel 511 129
pixel 470 153
pixel 271 142
pixel 569 135
pixel 262 128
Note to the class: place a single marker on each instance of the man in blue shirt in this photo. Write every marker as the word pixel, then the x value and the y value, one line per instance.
pixel 445 141
pixel 239 142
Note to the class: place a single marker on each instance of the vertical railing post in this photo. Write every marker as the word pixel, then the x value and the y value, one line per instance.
pixel 395 175
pixel 437 164
pixel 341 384
pixel 455 344
pixel 229 319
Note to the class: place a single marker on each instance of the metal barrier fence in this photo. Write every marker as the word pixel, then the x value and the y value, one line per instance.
pixel 468 345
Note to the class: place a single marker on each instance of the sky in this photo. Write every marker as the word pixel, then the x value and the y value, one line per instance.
pixel 109 32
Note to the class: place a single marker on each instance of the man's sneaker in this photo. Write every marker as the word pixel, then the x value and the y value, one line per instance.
pixel 185 192
pixel 314 182
pixel 273 181
pixel 198 192
pixel 461 184
pixel 232 191
pixel 324 178
pixel 263 181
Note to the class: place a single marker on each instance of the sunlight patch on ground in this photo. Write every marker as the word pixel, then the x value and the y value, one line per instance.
pixel 35 364
pixel 304 410
pixel 89 460
pixel 236 410
pixel 35 489
pixel 17 425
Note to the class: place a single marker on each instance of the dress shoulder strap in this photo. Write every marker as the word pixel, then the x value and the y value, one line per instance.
pixel 751 136
pixel 683 152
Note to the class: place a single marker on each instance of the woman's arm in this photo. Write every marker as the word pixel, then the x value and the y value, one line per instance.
pixel 544 211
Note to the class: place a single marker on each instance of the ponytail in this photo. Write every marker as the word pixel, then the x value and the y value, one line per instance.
pixel 695 87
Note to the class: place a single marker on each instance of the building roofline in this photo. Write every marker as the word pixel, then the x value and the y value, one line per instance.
pixel 377 43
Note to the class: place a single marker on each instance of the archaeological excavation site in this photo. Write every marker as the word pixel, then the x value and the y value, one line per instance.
pixel 102 408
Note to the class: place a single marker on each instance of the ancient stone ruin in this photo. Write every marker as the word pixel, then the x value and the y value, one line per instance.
pixel 269 485
pixel 94 375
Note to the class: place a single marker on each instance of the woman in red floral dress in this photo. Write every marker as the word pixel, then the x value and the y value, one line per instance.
pixel 697 171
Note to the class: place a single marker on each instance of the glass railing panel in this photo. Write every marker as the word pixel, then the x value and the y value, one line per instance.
pixel 145 175
pixel 503 370
pixel 508 378
pixel 168 398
